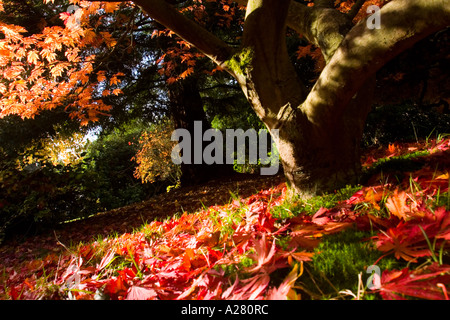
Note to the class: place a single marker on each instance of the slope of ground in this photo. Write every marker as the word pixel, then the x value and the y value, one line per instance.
pixel 126 219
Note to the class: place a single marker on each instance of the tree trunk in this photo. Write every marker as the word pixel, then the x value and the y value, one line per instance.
pixel 320 132
pixel 318 159
pixel 186 107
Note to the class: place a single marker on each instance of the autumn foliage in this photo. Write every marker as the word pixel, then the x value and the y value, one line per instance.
pixel 154 155
pixel 243 250
pixel 236 251
pixel 57 67
pixel 53 69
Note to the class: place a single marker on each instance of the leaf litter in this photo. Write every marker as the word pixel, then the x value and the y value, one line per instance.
pixel 239 250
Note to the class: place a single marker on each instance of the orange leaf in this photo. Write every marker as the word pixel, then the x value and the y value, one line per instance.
pixel 186 73
pixel 117 92
pixel 32 57
pixel 397 205
pixel 392 150
pixel 101 76
pixel 374 196
pixel 171 80
pixel 113 81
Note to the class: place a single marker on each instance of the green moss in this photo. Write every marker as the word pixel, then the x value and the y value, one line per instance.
pixel 238 267
pixel 403 163
pixel 293 207
pixel 340 258
pixel 442 200
pixel 241 61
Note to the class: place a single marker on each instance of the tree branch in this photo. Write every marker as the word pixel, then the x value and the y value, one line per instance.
pixel 217 50
pixel 324 3
pixel 364 51
pixel 355 9
pixel 271 81
pixel 324 27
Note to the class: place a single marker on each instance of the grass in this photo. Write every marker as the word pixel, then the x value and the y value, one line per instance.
pixel 295 206
pixel 442 200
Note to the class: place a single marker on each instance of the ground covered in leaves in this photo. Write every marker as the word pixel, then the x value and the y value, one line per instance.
pixel 387 238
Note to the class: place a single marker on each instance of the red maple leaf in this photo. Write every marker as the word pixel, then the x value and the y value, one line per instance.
pixel 140 293
pixel 398 205
pixel 248 289
pixel 425 283
pixel 263 255
pixel 408 240
pixel 405 241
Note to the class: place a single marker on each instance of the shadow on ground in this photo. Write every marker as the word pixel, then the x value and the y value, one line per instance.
pixel 127 219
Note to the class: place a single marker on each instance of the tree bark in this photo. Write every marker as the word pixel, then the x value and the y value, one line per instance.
pixel 321 26
pixel 319 139
pixel 214 48
pixel 364 51
pixel 315 159
pixel 269 79
pixel 318 159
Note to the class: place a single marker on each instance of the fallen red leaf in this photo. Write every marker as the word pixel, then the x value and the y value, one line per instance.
pixel 397 205
pixel 139 293
pixel 407 240
pixel 425 283
pixel 263 254
pixel 404 241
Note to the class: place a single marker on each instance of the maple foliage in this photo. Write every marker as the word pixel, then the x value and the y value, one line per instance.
pixel 180 59
pixel 222 252
pixel 427 283
pixel 54 69
pixel 181 258
pixel 60 67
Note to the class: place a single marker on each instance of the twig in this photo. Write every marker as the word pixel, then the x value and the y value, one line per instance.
pixel 314 281
pixel 62 244
pixel 355 9
pixel 324 3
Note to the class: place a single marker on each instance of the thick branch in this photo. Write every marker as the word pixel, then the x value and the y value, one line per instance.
pixel 364 51
pixel 270 82
pixel 188 30
pixel 324 27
